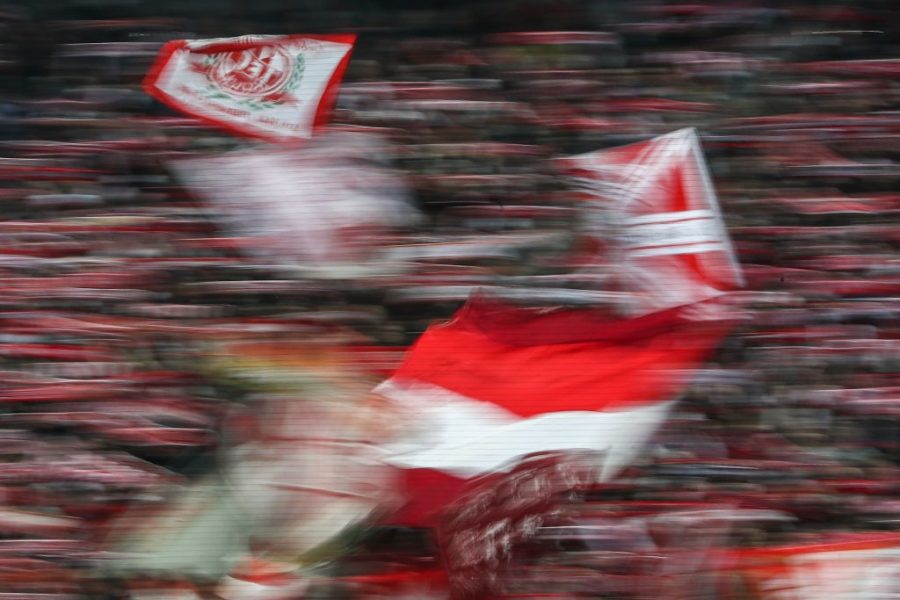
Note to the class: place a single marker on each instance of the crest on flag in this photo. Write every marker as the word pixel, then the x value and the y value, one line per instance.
pixel 673 248
pixel 266 74
pixel 278 88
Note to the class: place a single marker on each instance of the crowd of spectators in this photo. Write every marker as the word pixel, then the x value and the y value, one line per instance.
pixel 114 276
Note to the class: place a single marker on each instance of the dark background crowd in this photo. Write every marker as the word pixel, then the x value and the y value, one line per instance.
pixel 112 275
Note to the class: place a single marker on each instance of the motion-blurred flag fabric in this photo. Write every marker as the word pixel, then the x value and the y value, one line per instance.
pixel 279 88
pixel 320 210
pixel 673 248
pixel 499 382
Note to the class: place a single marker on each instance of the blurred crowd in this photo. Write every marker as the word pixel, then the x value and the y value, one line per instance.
pixel 115 277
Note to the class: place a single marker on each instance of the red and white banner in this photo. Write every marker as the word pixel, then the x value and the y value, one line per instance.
pixel 498 383
pixel 279 88
pixel 673 246
pixel 863 566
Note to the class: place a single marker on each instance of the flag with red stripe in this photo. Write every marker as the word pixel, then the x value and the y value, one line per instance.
pixel 500 382
pixel 279 88
pixel 673 248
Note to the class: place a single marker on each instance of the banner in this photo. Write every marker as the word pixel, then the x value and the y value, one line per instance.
pixel 499 382
pixel 278 88
pixel 672 247
pixel 864 566
pixel 508 408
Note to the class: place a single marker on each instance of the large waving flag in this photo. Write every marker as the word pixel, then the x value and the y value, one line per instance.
pixel 673 246
pixel 500 382
pixel 279 88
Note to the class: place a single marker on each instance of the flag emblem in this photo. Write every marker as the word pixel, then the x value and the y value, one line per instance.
pixel 261 76
pixel 278 88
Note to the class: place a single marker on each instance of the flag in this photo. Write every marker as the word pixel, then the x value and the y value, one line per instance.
pixel 279 88
pixel 498 383
pixel 299 475
pixel 850 565
pixel 323 209
pixel 672 247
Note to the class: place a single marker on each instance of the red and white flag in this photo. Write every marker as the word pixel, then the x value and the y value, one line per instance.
pixel 498 383
pixel 279 88
pixel 673 248
pixel 854 566
pixel 317 210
